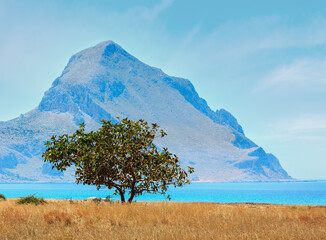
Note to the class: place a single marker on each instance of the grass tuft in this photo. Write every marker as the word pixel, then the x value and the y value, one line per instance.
pixel 2 197
pixel 31 200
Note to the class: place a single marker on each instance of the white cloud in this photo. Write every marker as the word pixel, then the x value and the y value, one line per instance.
pixel 263 33
pixel 140 13
pixel 304 73
pixel 152 13
pixel 299 128
pixel 239 46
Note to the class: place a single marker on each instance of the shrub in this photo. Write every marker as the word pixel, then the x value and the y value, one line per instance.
pixel 108 198
pixel 2 197
pixel 31 200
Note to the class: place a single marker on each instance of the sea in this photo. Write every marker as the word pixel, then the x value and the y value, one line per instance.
pixel 305 192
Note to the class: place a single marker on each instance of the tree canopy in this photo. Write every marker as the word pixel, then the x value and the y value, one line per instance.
pixel 120 156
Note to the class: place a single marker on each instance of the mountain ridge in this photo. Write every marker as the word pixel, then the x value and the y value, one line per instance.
pixel 104 82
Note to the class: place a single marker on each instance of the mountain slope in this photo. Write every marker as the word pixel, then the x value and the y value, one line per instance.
pixel 104 82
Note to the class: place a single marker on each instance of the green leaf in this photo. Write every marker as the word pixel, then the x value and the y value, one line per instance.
pixel 118 155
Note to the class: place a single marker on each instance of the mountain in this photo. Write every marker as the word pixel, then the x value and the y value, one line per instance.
pixel 104 82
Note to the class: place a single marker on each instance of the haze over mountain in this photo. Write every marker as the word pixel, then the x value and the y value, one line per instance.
pixel 104 82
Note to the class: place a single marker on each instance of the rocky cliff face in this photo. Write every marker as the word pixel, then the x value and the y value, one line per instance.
pixel 104 82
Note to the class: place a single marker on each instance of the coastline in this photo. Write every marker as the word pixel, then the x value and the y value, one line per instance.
pixel 257 204
pixel 298 193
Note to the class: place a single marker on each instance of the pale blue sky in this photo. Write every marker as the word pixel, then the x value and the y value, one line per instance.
pixel 264 61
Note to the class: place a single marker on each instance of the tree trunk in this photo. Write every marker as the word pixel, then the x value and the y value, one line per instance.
pixel 122 196
pixel 133 191
pixel 131 196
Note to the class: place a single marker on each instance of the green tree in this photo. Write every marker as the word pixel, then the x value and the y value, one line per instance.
pixel 120 156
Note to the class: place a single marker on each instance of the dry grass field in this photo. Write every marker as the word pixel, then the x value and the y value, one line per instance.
pixel 63 219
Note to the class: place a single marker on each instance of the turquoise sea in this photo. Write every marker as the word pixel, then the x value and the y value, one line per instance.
pixel 313 193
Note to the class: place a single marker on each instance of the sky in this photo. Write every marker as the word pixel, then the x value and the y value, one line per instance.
pixel 264 61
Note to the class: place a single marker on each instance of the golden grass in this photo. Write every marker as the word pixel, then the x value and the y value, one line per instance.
pixel 60 219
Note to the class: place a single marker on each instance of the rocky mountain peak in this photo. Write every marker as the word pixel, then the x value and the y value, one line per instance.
pixel 105 82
